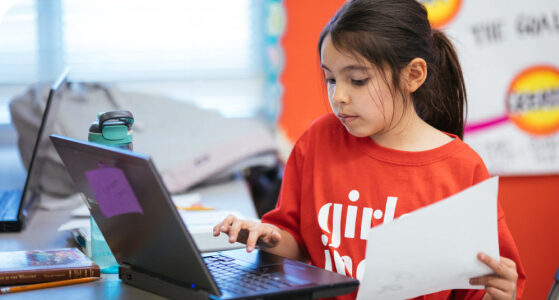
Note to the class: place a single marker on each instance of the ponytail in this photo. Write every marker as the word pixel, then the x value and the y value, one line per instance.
pixel 442 100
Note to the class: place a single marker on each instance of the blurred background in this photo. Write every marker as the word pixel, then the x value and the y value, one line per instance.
pixel 209 53
pixel 257 59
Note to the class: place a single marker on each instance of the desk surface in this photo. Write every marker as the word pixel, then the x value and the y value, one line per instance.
pixel 41 233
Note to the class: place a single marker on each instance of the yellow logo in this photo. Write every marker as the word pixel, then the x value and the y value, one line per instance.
pixel 440 12
pixel 533 100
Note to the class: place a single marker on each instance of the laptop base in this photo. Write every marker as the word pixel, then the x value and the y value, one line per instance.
pixel 172 291
pixel 158 286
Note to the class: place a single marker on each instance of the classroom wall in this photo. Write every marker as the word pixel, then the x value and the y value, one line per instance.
pixel 531 203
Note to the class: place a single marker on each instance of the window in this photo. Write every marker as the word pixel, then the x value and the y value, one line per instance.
pixel 199 51
pixel 18 52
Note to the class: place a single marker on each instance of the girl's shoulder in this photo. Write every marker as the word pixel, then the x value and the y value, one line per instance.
pixel 326 120
pixel 324 132
pixel 325 124
pixel 467 156
pixel 466 151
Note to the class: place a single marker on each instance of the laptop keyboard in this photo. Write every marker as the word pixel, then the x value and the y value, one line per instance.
pixel 239 279
pixel 9 205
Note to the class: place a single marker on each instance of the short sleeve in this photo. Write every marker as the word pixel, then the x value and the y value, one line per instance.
pixel 287 213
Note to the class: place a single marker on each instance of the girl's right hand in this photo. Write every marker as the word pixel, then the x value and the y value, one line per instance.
pixel 249 232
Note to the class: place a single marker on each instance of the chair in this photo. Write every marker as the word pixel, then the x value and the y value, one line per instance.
pixel 554 292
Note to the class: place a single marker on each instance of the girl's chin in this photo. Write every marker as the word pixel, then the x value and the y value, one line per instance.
pixel 357 133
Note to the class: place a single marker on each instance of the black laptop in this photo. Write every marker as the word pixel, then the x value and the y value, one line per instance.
pixel 16 205
pixel 146 234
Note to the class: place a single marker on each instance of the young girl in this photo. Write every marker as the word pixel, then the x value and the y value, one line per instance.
pixel 392 145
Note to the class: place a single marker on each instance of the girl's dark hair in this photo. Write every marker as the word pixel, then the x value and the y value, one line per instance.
pixel 391 33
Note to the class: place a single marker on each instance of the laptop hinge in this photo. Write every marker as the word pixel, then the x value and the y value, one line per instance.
pixel 158 286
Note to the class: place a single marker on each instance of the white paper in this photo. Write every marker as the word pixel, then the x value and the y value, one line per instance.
pixel 75 224
pixel 433 248
pixel 81 211
pixel 206 217
pixel 186 200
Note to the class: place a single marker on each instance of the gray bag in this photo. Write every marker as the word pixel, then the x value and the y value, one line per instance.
pixel 188 145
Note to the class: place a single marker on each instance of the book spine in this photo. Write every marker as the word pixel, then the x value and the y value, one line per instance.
pixel 36 276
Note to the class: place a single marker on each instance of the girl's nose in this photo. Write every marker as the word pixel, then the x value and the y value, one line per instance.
pixel 338 95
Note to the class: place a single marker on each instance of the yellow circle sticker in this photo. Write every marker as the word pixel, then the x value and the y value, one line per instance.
pixel 440 12
pixel 533 100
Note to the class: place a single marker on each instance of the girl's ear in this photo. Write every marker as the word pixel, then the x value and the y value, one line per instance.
pixel 415 74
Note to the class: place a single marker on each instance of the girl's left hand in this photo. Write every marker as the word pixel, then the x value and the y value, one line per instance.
pixel 502 284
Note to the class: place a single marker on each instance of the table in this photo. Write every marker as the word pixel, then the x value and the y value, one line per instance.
pixel 41 233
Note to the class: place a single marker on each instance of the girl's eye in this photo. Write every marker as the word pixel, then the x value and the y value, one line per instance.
pixel 359 82
pixel 330 81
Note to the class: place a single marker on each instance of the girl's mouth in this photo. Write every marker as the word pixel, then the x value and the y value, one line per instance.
pixel 346 119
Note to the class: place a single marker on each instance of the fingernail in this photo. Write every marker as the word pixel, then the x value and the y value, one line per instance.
pixel 482 256
pixel 249 249
pixel 232 239
pixel 223 227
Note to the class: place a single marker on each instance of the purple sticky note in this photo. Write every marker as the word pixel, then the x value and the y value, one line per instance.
pixel 113 192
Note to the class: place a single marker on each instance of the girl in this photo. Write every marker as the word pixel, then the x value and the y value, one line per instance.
pixel 392 145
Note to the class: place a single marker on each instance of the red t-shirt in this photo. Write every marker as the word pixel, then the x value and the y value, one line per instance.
pixel 336 186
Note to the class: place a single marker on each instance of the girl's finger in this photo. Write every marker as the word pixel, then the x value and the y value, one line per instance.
pixel 234 230
pixel 223 226
pixel 493 281
pixel 253 236
pixel 497 293
pixel 269 238
pixel 500 269
pixel 227 223
pixel 275 237
pixel 216 229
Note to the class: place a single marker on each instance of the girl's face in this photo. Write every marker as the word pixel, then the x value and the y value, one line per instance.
pixel 357 92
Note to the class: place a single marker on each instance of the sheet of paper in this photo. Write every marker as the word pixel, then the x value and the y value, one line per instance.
pixel 75 224
pixel 186 200
pixel 206 217
pixel 433 248
pixel 80 212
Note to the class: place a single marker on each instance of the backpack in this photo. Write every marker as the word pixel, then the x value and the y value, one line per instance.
pixel 189 146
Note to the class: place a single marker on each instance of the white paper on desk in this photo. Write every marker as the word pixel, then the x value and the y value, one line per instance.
pixel 80 211
pixel 433 248
pixel 206 217
pixel 186 200
pixel 75 224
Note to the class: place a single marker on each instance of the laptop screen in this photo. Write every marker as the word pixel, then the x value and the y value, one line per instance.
pixel 134 211
pixel 36 163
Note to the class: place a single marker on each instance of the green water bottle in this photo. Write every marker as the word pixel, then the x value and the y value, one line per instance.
pixel 112 128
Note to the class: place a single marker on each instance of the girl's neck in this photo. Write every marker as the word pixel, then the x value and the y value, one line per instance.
pixel 411 133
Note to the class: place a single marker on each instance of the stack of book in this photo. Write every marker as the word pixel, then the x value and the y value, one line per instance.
pixel 40 266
